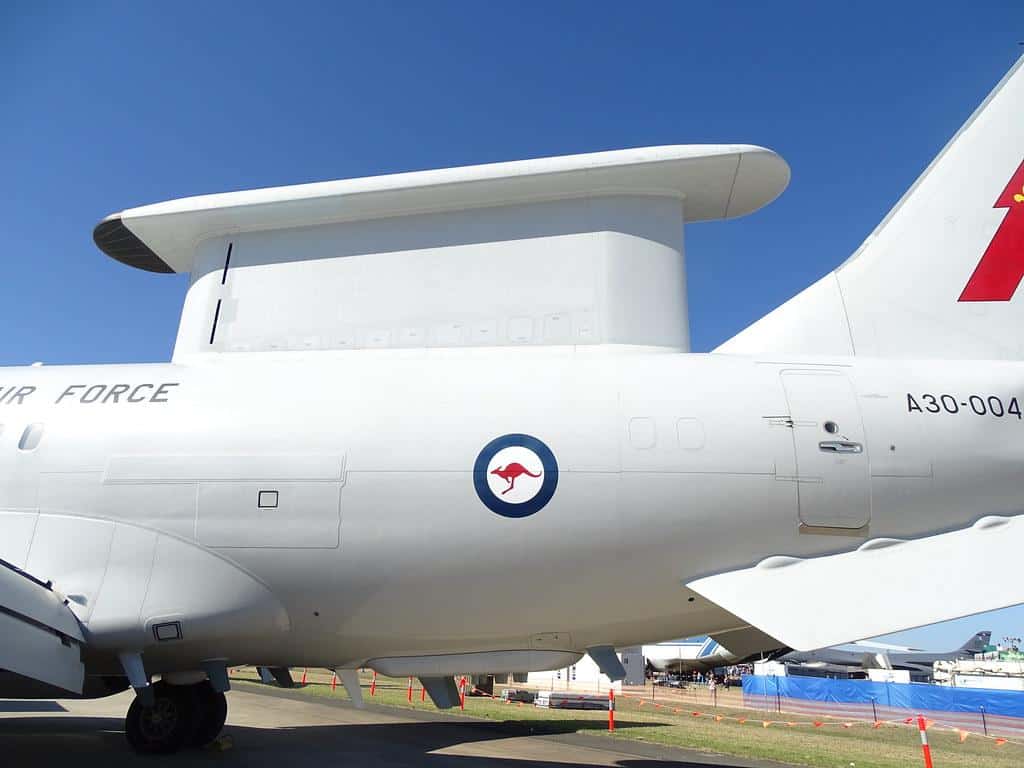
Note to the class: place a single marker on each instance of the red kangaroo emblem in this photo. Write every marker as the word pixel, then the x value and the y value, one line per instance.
pixel 511 472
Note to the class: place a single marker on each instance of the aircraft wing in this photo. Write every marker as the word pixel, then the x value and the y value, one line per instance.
pixel 809 603
pixel 41 649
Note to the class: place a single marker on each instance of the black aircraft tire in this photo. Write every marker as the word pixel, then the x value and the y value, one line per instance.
pixel 212 712
pixel 166 726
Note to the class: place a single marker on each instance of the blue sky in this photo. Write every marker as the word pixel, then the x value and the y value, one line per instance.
pixel 106 106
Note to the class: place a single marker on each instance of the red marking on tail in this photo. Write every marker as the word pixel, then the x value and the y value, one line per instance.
pixel 511 472
pixel 1002 265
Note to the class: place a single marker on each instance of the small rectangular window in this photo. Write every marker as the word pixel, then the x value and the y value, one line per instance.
pixel 642 433
pixel 690 432
pixel 268 500
pixel 170 630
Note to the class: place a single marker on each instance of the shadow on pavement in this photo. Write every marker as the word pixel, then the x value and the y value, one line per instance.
pixel 40 742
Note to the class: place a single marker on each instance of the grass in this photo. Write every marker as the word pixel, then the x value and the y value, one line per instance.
pixel 831 746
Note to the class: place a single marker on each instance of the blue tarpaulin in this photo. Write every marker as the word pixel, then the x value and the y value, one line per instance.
pixel 914 697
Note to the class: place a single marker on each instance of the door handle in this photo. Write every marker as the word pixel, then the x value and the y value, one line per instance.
pixel 840 446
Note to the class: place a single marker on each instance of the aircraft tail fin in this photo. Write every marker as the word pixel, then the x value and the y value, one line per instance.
pixel 977 643
pixel 940 275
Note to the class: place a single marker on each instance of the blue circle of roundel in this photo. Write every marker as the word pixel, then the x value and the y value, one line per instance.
pixel 495 503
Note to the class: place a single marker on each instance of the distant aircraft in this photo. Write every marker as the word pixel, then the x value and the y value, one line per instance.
pixel 318 477
pixel 700 654
pixel 693 654
pixel 873 656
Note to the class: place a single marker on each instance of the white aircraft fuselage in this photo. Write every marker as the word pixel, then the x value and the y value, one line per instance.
pixel 446 422
pixel 148 499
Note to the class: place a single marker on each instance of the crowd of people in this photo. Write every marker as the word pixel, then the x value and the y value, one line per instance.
pixel 721 676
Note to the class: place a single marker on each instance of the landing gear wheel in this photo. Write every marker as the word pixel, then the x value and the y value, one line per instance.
pixel 167 725
pixel 212 712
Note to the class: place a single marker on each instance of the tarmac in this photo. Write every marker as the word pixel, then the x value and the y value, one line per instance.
pixel 275 727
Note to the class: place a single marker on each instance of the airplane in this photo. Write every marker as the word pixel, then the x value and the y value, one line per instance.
pixel 310 480
pixel 875 656
pixel 696 654
pixel 701 654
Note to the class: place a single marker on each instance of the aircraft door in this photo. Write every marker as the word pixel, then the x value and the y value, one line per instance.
pixel 833 479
